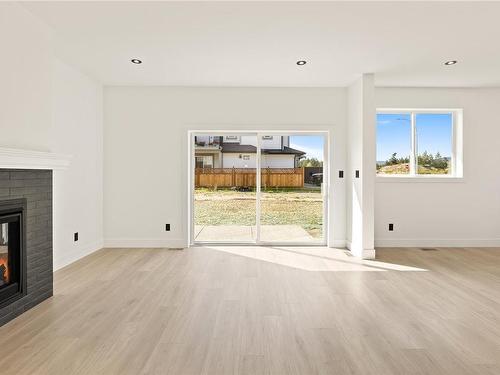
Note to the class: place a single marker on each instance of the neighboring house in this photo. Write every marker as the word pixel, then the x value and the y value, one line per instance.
pixel 234 151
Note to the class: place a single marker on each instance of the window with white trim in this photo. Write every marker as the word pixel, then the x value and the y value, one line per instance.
pixel 204 161
pixel 419 143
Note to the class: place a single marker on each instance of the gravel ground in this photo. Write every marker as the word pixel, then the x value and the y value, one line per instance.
pixel 224 207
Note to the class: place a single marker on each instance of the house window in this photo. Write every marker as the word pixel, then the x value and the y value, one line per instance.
pixel 419 143
pixel 268 137
pixel 206 140
pixel 246 157
pixel 204 161
pixel 231 137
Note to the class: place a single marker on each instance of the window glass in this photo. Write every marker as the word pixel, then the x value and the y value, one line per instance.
pixel 434 142
pixel 393 143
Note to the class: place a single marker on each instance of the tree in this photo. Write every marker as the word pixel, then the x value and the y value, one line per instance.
pixel 393 160
pixel 440 162
pixel 425 159
pixel 310 162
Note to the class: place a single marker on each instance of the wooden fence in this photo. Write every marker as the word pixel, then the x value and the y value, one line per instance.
pixel 246 177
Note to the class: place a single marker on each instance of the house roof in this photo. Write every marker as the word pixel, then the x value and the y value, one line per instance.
pixel 286 150
pixel 237 148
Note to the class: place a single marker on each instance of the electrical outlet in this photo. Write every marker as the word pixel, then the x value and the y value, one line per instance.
pixel 75 236
pixel 341 174
pixel 167 227
pixel 357 174
pixel 391 227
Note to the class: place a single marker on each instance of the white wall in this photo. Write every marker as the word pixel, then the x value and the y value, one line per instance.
pixel 245 140
pixel 237 139
pixel 278 161
pixel 77 130
pixel 269 144
pixel 48 106
pixel 25 79
pixel 146 153
pixel 233 160
pixel 459 213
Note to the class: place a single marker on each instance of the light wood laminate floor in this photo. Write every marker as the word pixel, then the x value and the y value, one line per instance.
pixel 256 310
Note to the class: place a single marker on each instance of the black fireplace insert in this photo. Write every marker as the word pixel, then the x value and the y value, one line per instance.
pixel 12 250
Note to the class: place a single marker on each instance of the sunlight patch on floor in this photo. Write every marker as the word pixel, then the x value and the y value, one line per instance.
pixel 311 258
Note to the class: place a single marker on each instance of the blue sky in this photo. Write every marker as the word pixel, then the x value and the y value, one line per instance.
pixel 312 145
pixel 394 134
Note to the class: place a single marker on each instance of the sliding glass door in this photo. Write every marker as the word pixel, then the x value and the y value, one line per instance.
pixel 258 188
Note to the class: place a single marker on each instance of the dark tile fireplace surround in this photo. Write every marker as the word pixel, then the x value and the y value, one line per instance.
pixel 25 240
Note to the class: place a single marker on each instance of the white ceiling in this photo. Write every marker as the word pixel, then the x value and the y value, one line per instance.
pixel 258 43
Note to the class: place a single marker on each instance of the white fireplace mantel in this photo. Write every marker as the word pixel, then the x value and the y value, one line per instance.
pixel 11 158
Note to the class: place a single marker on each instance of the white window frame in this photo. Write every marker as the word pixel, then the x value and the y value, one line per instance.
pixel 456 146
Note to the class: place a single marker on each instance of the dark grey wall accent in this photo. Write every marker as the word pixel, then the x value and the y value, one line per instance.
pixel 36 187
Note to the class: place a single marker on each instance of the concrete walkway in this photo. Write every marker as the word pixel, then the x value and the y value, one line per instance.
pixel 244 233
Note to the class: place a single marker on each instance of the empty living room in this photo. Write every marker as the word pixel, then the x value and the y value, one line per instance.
pixel 249 187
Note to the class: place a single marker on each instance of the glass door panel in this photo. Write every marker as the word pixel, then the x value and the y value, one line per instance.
pixel 224 201
pixel 291 199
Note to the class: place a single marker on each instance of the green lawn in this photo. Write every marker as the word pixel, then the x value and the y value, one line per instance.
pixel 302 207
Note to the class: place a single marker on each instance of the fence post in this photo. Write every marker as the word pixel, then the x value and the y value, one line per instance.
pixel 233 177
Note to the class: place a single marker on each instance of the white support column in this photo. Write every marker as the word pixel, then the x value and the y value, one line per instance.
pixel 361 157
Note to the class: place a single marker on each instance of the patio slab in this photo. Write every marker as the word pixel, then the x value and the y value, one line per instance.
pixel 223 233
pixel 245 233
pixel 285 233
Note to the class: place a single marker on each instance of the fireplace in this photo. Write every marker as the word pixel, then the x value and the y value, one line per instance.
pixel 12 250
pixel 25 230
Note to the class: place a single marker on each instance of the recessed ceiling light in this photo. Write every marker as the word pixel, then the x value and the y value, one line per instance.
pixel 136 61
pixel 301 62
pixel 451 62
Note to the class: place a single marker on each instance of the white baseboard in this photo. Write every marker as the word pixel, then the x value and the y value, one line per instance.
pixel 366 253
pixel 144 243
pixel 455 242
pixel 369 254
pixel 83 251
pixel 339 244
pixel 160 243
